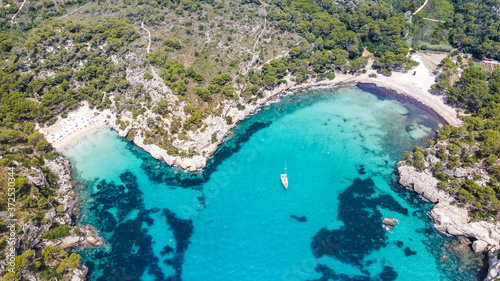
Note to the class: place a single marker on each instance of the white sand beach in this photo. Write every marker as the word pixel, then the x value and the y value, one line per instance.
pixel 417 87
pixel 79 122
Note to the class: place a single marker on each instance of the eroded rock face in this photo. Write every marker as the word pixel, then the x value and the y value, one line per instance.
pixel 455 221
pixel 460 173
pixel 37 178
pixel 447 214
pixel 493 271
pixel 422 183
pixel 79 273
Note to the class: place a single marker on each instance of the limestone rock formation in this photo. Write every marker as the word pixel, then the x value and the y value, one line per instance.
pixel 422 183
pixel 85 238
pixel 479 246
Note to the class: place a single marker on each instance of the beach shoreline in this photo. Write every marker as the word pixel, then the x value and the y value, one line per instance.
pixel 401 97
pixel 72 139
pixel 401 86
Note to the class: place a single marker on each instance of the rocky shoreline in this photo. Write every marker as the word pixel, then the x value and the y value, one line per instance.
pixel 452 219
pixel 85 237
pixel 202 140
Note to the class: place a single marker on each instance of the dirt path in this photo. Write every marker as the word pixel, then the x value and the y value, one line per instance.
pixel 434 20
pixel 14 16
pixel 258 38
pixel 420 8
pixel 148 47
pixel 149 37
pixel 63 16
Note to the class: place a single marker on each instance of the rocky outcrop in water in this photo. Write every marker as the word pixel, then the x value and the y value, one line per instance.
pixel 389 222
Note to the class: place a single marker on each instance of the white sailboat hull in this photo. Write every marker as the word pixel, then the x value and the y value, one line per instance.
pixel 284 180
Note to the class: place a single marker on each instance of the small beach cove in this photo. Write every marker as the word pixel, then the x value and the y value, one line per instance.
pixel 235 220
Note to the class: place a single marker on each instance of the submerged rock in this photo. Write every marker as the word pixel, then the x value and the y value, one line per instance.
pixel 299 219
pixel 390 221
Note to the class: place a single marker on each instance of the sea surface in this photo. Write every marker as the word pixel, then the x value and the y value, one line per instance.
pixel 235 221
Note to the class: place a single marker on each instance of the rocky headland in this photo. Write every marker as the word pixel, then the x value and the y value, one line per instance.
pixel 453 218
pixel 65 214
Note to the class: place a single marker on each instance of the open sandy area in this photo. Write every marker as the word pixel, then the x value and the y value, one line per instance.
pixel 79 122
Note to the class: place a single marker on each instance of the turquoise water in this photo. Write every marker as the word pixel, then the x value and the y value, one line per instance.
pixel 235 221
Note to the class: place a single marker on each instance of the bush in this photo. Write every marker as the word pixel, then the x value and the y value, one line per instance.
pixel 42 203
pixel 148 76
pixel 50 155
pixel 203 93
pixel 174 44
pixel 58 232
pixel 69 263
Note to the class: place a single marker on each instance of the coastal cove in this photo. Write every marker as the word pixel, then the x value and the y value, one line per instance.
pixel 250 140
pixel 401 85
pixel 234 220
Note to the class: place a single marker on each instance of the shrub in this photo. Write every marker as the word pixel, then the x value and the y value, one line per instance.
pixel 148 76
pixel 69 263
pixel 60 209
pixel 174 44
pixel 58 232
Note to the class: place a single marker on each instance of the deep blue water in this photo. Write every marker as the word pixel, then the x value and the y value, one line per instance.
pixel 235 221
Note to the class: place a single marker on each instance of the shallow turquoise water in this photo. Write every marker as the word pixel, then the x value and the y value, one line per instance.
pixel 235 221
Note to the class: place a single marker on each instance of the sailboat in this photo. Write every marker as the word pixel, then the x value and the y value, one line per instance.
pixel 284 178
